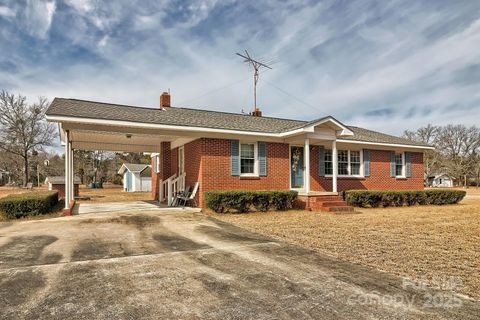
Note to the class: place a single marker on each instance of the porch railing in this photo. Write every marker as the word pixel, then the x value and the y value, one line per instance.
pixel 170 187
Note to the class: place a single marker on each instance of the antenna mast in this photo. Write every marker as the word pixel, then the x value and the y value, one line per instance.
pixel 256 67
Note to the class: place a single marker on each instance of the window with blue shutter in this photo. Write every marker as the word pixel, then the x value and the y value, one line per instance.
pixel 262 158
pixel 366 163
pixel 408 164
pixel 235 157
pixel 321 161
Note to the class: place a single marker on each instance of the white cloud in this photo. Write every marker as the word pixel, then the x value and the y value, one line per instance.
pixel 83 6
pixel 38 17
pixel 6 11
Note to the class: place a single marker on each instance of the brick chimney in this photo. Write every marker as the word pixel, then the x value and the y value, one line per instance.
pixel 257 112
pixel 165 100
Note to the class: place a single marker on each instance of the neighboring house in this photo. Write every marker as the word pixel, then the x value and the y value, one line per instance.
pixel 58 183
pixel 439 181
pixel 136 177
pixel 225 151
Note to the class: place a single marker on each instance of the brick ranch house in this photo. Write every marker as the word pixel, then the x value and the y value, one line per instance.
pixel 224 151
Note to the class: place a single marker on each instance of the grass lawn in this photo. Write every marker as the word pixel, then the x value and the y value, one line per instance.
pixel 422 242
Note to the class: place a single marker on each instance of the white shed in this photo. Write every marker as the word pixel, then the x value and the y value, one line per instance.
pixel 440 181
pixel 136 177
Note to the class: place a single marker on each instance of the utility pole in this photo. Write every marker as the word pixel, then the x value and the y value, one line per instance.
pixel 256 67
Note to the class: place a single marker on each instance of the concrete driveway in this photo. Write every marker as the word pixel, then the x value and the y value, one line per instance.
pixel 183 265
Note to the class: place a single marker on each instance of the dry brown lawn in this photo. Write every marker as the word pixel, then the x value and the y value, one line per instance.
pixel 112 193
pixel 432 243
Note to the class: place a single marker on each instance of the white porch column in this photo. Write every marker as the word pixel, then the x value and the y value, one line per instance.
pixel 334 165
pixel 72 191
pixel 307 165
pixel 67 171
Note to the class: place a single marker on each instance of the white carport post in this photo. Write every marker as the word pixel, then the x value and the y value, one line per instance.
pixel 334 165
pixel 307 165
pixel 67 170
pixel 72 185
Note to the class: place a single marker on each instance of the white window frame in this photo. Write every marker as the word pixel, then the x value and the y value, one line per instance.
pixel 255 163
pixel 403 175
pixel 349 166
pixel 181 160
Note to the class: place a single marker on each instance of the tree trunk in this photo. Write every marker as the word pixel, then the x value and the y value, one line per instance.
pixel 26 170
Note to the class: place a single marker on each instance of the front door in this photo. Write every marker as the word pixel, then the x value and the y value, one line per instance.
pixel 297 167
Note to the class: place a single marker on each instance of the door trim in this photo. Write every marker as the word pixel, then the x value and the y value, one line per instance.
pixel 290 166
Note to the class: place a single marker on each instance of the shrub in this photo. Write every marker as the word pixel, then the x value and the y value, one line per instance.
pixel 28 204
pixel 374 198
pixel 242 200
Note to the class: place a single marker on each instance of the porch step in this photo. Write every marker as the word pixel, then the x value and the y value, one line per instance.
pixel 337 209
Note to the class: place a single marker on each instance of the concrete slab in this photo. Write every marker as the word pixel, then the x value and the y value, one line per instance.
pixel 172 264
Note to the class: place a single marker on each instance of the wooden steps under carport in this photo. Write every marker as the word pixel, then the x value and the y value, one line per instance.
pixel 323 201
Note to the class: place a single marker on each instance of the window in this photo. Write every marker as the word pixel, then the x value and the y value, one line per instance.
pixel 399 164
pixel 248 158
pixel 328 162
pixel 343 162
pixel 349 162
pixel 354 163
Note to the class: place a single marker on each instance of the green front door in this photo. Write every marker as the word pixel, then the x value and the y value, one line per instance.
pixel 297 167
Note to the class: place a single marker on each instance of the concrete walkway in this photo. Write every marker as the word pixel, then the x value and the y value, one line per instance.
pixel 102 207
pixel 164 264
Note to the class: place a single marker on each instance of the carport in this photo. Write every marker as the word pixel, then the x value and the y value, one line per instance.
pixel 81 130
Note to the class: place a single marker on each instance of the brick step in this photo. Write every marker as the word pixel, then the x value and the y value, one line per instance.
pixel 332 204
pixel 337 209
pixel 325 198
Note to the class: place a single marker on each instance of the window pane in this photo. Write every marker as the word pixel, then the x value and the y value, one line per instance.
pixel 247 165
pixel 247 151
pixel 328 162
pixel 355 156
pixel 342 156
pixel 343 168
pixel 355 168
pixel 398 164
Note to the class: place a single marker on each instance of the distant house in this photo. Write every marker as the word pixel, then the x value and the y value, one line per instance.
pixel 136 177
pixel 58 183
pixel 439 181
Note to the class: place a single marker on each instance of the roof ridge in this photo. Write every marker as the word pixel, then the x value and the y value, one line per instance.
pixel 177 107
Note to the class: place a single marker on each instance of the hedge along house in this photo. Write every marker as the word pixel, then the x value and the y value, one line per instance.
pixel 224 151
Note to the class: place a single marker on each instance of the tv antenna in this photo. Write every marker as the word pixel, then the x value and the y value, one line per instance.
pixel 256 67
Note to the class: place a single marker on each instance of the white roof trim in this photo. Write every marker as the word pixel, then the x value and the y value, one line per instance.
pixel 385 144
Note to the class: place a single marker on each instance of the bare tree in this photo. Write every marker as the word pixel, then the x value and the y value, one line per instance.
pixel 432 158
pixel 23 129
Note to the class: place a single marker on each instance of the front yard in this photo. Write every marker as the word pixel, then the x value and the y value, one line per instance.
pixel 433 243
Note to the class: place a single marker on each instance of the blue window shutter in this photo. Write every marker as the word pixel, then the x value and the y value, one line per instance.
pixel 408 164
pixel 235 157
pixel 262 158
pixel 321 161
pixel 366 162
pixel 392 164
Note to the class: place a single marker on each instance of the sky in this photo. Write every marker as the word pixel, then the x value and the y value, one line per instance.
pixel 383 65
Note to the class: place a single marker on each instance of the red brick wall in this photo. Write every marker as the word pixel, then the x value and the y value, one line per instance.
pixel 208 162
pixel 379 178
pixel 164 169
pixel 61 190
pixel 217 174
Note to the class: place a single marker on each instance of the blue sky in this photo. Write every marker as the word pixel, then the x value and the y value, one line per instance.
pixel 384 65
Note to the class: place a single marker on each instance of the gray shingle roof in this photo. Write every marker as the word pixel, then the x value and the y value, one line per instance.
pixel 171 116
pixel 136 167
pixel 61 180
pixel 199 118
